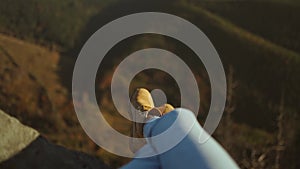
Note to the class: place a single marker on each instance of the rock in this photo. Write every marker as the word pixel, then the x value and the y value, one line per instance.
pixel 23 147
pixel 13 136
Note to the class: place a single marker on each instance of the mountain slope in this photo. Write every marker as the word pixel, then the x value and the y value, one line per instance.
pixel 276 21
pixel 32 90
pixel 36 82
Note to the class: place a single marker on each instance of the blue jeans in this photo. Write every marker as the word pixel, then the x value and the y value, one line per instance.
pixel 188 153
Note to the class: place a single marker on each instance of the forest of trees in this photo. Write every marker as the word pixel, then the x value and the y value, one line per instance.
pixel 51 23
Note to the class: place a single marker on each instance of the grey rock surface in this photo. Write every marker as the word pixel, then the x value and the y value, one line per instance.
pixel 14 136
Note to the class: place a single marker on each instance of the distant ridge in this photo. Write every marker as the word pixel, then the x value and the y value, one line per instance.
pixel 241 33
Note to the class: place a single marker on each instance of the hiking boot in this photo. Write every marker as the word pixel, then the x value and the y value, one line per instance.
pixel 166 108
pixel 143 109
pixel 142 103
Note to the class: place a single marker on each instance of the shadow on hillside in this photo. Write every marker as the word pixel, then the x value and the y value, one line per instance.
pixel 114 11
pixel 238 53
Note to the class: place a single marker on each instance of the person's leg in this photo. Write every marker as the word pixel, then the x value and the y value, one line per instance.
pixel 142 103
pixel 143 163
pixel 188 153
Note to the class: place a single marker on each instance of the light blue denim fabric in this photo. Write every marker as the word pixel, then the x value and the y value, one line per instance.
pixel 188 154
